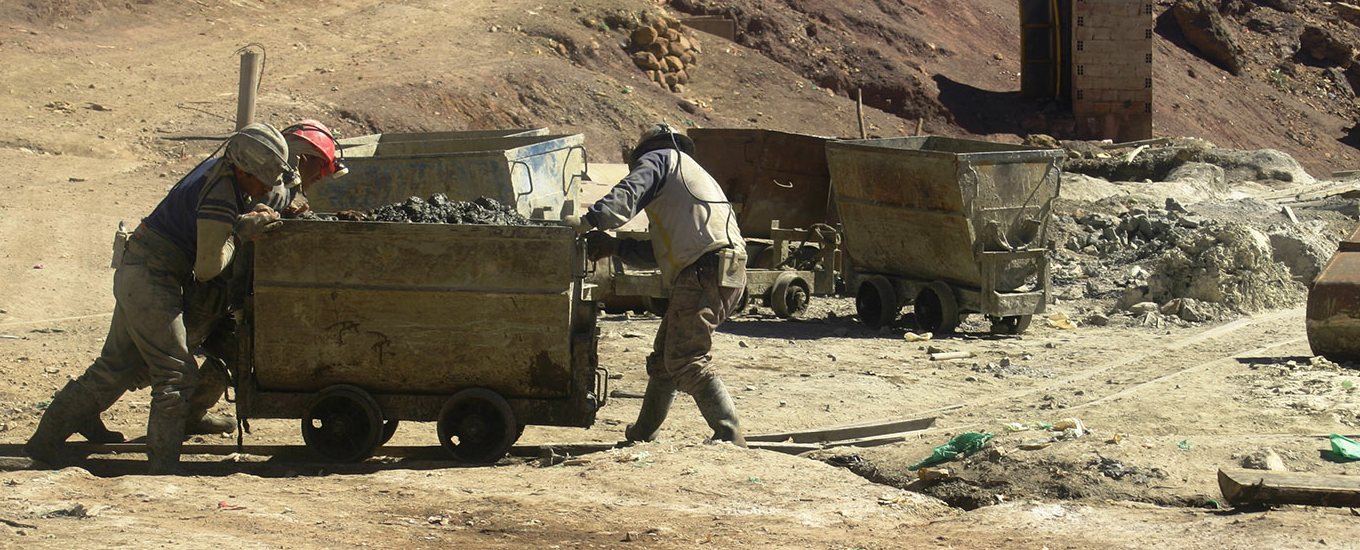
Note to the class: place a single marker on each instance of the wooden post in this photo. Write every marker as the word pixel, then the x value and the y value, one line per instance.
pixel 249 85
pixel 920 125
pixel 859 111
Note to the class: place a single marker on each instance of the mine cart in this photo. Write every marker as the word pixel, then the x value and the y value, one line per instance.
pixel 539 174
pixel 1333 315
pixel 779 188
pixel 951 226
pixel 355 326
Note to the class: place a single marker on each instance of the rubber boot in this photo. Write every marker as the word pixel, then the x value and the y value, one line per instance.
pixel 716 406
pixel 94 431
pixel 656 404
pixel 212 383
pixel 164 438
pixel 70 408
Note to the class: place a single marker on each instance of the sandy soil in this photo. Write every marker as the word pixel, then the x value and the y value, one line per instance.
pixel 1183 400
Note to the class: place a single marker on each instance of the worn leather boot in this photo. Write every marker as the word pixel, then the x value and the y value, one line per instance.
pixel 164 439
pixel 656 404
pixel 212 383
pixel 69 409
pixel 716 406
pixel 94 431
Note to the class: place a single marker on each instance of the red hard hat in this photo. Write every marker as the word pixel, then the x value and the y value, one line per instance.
pixel 320 137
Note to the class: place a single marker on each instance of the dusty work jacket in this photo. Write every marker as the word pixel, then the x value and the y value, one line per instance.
pixel 688 211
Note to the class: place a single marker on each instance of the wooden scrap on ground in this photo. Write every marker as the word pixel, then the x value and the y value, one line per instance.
pixel 947 355
pixel 1241 487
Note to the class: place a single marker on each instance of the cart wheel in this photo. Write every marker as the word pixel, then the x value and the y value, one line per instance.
pixel 789 296
pixel 656 306
pixel 477 426
pixel 937 310
pixel 1014 324
pixel 343 423
pixel 876 302
pixel 389 429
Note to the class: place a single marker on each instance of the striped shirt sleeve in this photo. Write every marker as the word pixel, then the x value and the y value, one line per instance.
pixel 219 204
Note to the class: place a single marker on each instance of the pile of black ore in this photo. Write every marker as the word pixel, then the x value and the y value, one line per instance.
pixel 438 209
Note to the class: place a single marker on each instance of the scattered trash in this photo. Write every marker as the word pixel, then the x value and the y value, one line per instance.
pixel 1184 445
pixel 1061 321
pixel 224 505
pixel 947 355
pixel 913 337
pixel 1345 448
pixel 72 510
pixel 633 334
pixel 935 474
pixel 962 444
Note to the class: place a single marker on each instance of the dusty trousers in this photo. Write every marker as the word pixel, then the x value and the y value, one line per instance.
pixel 680 356
pixel 146 344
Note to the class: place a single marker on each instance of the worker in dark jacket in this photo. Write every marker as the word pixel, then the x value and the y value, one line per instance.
pixel 190 238
pixel 313 158
pixel 695 241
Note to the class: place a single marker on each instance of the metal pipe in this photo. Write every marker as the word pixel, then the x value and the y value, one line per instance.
pixel 249 86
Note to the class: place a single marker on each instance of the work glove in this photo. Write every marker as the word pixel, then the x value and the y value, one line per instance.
pixel 578 223
pixel 261 220
pixel 601 245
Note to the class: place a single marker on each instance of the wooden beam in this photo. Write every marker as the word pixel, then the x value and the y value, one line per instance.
pixel 848 432
pixel 1262 487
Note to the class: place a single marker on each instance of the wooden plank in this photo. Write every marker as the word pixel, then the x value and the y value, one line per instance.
pixel 848 432
pixel 1262 487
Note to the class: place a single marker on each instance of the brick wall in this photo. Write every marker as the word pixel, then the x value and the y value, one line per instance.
pixel 1112 68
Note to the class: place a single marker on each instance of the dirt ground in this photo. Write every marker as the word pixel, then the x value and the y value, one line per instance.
pixel 91 90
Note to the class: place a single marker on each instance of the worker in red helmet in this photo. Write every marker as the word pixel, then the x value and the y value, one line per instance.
pixel 313 151
pixel 312 154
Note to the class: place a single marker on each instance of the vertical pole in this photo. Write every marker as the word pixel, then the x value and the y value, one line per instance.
pixel 859 111
pixel 250 82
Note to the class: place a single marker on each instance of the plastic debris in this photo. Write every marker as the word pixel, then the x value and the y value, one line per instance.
pixel 1345 447
pixel 922 337
pixel 962 444
pixel 1061 321
pixel 934 474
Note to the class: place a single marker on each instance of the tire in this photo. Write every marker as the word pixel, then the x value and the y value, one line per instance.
pixel 477 426
pixel 343 424
pixel 789 296
pixel 876 302
pixel 389 429
pixel 936 308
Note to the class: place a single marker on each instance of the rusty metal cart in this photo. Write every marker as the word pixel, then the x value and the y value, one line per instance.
pixel 951 226
pixel 354 326
pixel 774 180
pixel 537 173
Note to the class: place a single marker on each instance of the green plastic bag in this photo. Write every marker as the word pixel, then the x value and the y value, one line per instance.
pixel 962 444
pixel 1344 447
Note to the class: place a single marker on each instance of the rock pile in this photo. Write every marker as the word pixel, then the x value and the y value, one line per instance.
pixel 1231 265
pixel 439 209
pixel 663 49
pixel 1134 234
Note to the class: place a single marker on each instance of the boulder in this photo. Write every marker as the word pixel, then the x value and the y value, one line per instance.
pixel 659 48
pixel 1304 249
pixel 674 64
pixel 1320 44
pixel 1200 174
pixel 643 37
pixel 1263 165
pixel 1204 28
pixel 645 61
